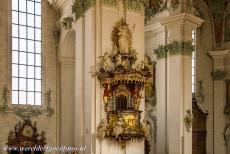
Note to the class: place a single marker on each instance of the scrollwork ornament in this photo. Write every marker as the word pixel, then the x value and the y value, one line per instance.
pixel 27 111
pixel 5 95
pixel 188 119
pixel 49 109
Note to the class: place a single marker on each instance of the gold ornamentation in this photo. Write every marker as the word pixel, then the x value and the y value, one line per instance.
pixel 123 80
pixel 121 37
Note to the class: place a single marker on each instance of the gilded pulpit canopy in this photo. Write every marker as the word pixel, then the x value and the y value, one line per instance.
pixel 123 80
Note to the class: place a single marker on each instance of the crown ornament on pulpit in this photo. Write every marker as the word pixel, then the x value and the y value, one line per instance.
pixel 123 80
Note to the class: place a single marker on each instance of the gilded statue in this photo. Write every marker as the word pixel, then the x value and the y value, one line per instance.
pixel 123 39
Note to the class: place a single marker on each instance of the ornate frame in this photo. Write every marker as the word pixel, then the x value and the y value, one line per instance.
pixel 25 135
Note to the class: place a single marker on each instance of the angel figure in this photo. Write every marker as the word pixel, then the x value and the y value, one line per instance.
pixel 118 129
pixel 103 61
pixel 146 128
pixel 102 129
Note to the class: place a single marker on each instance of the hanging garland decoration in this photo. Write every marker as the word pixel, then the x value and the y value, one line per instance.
pixel 151 8
pixel 79 7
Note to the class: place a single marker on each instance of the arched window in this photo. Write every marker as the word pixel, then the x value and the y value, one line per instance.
pixel 194 62
pixel 26 52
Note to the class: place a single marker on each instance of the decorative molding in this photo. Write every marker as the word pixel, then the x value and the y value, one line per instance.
pixel 58 4
pixel 186 19
pixel 218 54
pixel 109 2
pixel 218 74
pixel 26 110
pixel 154 29
pixel 174 48
pixel 5 95
pixel 188 119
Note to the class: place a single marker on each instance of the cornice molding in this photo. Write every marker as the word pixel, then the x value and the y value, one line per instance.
pixel 221 54
pixel 58 4
pixel 155 28
pixel 186 19
pixel 67 59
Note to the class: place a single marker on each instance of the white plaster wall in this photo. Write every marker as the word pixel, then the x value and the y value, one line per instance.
pixel 50 69
pixel 67 84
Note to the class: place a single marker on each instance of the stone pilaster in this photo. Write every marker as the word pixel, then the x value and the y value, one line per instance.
pixel 219 99
pixel 155 35
pixel 178 80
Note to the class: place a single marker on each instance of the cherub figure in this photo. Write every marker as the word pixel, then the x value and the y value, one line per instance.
pixel 102 129
pixel 103 61
pixel 118 129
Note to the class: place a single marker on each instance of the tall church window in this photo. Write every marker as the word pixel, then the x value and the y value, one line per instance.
pixel 26 52
pixel 194 62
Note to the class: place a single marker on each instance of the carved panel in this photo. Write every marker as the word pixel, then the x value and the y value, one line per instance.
pixel 199 131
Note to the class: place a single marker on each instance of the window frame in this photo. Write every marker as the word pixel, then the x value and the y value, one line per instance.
pixel 194 43
pixel 34 53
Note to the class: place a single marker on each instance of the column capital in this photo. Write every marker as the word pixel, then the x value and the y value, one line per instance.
pixel 218 57
pixel 221 54
pixel 155 28
pixel 185 19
